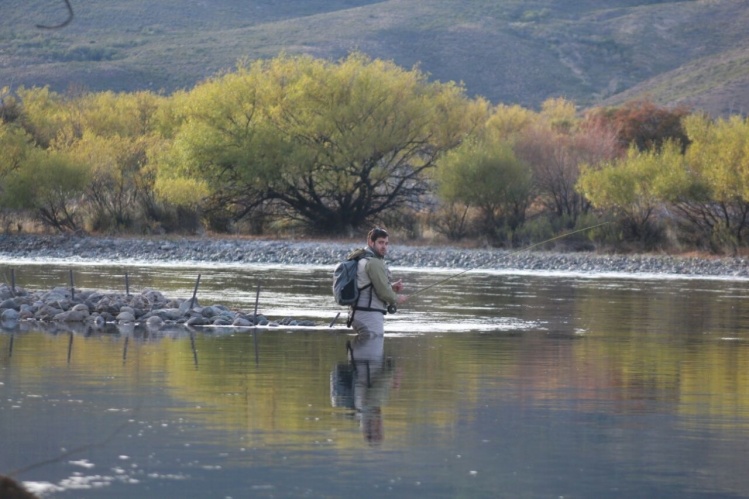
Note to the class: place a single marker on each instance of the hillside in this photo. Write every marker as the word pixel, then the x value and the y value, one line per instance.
pixel 719 83
pixel 510 51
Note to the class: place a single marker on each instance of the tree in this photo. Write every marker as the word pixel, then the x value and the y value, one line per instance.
pixel 486 174
pixel 10 108
pixel 48 117
pixel 110 134
pixel 109 114
pixel 49 184
pixel 332 145
pixel 643 124
pixel 510 121
pixel 560 114
pixel 712 194
pixel 115 187
pixel 555 147
pixel 633 187
pixel 15 145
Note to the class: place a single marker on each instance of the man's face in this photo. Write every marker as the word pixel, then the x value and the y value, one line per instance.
pixel 380 246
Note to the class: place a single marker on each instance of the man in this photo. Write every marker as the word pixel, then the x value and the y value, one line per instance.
pixel 377 290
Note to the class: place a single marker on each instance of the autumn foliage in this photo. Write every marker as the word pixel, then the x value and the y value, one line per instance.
pixel 302 144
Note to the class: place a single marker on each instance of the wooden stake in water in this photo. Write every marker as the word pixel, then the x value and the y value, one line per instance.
pixel 254 329
pixel 127 285
pixel 13 281
pixel 194 293
pixel 72 286
pixel 257 299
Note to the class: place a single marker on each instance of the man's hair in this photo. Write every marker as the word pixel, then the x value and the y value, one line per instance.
pixel 376 234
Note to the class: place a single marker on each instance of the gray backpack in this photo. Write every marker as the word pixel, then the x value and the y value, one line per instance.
pixel 345 289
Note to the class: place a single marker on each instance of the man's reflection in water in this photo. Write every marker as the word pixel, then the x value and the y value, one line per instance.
pixel 364 383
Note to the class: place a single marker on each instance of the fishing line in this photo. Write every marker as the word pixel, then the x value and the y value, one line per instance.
pixel 419 291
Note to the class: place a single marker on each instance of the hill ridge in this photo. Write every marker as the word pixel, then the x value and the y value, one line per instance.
pixel 509 51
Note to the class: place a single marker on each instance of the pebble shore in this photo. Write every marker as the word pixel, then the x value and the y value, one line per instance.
pixel 254 251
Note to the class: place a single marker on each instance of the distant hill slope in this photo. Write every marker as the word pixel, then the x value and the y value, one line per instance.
pixel 511 51
pixel 718 84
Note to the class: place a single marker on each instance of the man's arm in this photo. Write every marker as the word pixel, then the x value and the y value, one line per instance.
pixel 379 277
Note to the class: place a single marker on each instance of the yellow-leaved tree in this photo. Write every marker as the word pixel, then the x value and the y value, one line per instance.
pixel 713 195
pixel 484 173
pixel 633 187
pixel 51 185
pixel 330 145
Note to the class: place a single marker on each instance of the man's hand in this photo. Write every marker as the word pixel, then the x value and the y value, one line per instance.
pixel 398 286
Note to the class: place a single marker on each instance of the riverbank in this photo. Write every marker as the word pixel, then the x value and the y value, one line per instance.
pixel 287 252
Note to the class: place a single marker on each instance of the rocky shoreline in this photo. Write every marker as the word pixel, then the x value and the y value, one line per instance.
pixel 283 252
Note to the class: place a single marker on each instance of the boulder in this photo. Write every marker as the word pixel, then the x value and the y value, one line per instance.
pixel 187 305
pixel 71 316
pixel 125 317
pixel 82 308
pixel 9 314
pixel 9 303
pixel 242 322
pixel 47 312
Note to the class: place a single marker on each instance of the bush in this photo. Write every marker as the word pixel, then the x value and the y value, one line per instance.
pixel 83 53
pixel 452 220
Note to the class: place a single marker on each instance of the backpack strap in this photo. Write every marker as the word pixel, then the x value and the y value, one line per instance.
pixel 365 255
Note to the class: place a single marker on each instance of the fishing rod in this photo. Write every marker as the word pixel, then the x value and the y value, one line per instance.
pixel 419 291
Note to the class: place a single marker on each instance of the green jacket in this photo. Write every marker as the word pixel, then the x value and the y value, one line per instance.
pixel 372 270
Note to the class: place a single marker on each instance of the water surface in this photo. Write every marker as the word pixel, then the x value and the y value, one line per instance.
pixel 489 385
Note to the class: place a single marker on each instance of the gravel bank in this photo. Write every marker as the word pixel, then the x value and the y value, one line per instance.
pixel 329 253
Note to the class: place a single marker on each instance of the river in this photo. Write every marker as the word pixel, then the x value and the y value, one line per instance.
pixel 492 384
